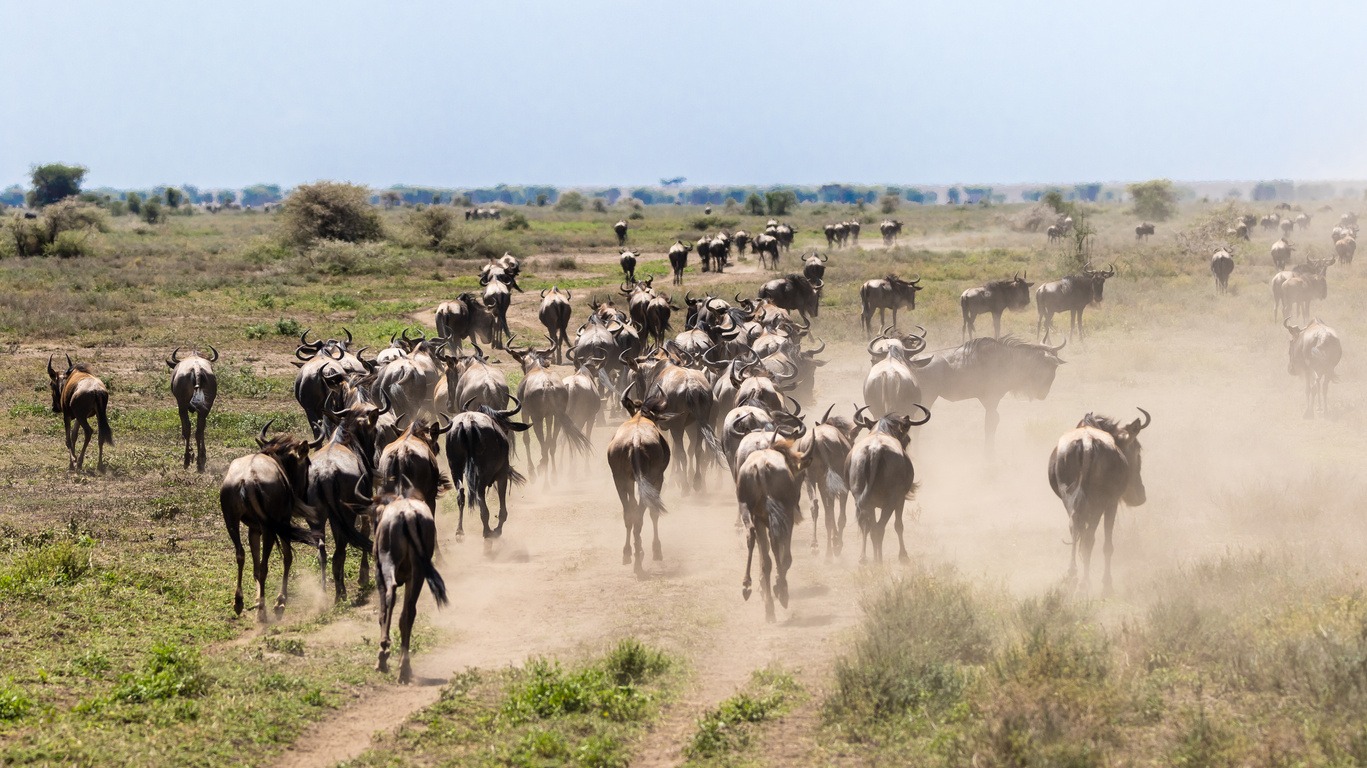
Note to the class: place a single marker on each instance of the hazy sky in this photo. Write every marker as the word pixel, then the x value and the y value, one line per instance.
pixel 588 92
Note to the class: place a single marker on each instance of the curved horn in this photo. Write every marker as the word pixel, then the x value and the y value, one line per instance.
pixel 1056 349
pixel 261 439
pixel 568 296
pixel 915 281
pixel 875 340
pixel 824 258
pixel 299 353
pixel 924 410
pixel 386 404
pixel 404 335
pixel 797 407
pixel 1147 418
pixel 348 335
pixel 732 374
pixel 543 292
pixel 53 371
pixel 826 415
pixel 303 338
pixel 213 359
pixel 517 406
pixel 70 366
pixel 818 350
pixel 865 423
pixel 624 289
pixel 175 356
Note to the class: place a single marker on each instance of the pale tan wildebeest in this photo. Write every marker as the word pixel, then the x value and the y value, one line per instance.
pixel 638 456
pixel 194 386
pixel 78 395
pixel 1314 353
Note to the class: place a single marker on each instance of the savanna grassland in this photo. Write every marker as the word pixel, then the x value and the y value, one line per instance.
pixel 1237 634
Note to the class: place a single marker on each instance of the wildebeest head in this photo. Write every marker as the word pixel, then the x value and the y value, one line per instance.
pixel 58 380
pixel 896 425
pixel 292 454
pixel 1098 281
pixel 1127 440
pixel 174 359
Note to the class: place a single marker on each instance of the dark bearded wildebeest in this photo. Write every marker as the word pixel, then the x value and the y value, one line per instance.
pixel 658 311
pixel 78 395
pixel 842 233
pixel 986 370
pixel 194 386
pixel 498 298
pixel 1222 266
pixel 586 388
pixel 794 292
pixel 474 380
pixel 1143 230
pixel 891 292
pixel 832 438
pixel 995 297
pixel 853 227
pixel 621 229
pixel 721 252
pixel 405 541
pixel 689 403
pixel 741 239
pixel 881 477
pixel 412 456
pixel 769 489
pixel 767 247
pixel 1314 352
pixel 628 262
pixel 1092 469
pixel 322 364
pixel 340 474
pixel 264 491
pixel 784 234
pixel 814 268
pixel 704 246
pixel 545 401
pixel 477 450
pixel 1281 253
pixel 1345 247
pixel 829 231
pixel 1072 294
pixel 638 456
pixel 890 229
pixel 890 386
pixel 555 315
pixel 465 318
pixel 678 258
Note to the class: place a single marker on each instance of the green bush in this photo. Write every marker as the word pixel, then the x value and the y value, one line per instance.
pixel 432 226
pixel 134 203
pixel 1154 200
pixel 152 212
pixel 57 563
pixel 329 210
pixel 515 221
pixel 170 672
pixel 570 202
pixel 37 237
pixel 69 245
pixel 55 182
pixel 14 703
pixel 338 257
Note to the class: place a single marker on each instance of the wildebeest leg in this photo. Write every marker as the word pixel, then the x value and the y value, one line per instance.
pixel 816 513
pixel 532 467
pixel 84 424
pixel 996 325
pixel 363 578
pixel 411 591
pixel 235 535
pixel 1324 394
pixel 1106 549
pixel 1086 541
pixel 697 453
pixel 656 551
pixel 1309 398
pixel 263 541
pixel 338 561
pixel 749 557
pixel 863 517
pixel 69 435
pixel 1075 321
pixel 385 583
pixel 882 318
pixel 287 558
pixel 990 422
pixel 460 505
pixel 894 317
pixel 201 451
pixel 185 435
pixel 840 525
pixel 782 546
pixel 681 469
pixel 897 526
pixel 502 505
pixel 766 568
pixel 638 518
pixel 626 494
pixel 876 531
pixel 1073 535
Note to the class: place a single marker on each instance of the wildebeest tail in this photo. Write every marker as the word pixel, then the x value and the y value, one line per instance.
pixel 579 442
pixel 198 402
pixel 424 560
pixel 102 416
pixel 338 509
pixel 646 491
pixel 699 408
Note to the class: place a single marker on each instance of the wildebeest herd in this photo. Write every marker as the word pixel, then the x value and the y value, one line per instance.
pixel 724 396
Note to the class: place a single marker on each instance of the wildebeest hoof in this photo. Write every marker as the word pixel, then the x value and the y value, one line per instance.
pixel 745 593
pixel 460 535
pixel 657 552
pixel 626 557
pixel 781 592
pixel 405 675
pixel 904 557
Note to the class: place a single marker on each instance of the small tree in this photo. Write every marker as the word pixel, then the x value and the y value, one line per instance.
pixel 889 203
pixel 572 202
pixel 53 182
pixel 225 196
pixel 432 225
pixel 330 210
pixel 598 206
pixel 134 203
pixel 780 201
pixel 1154 200
pixel 541 199
pixel 152 212
pixel 754 204
pixel 174 197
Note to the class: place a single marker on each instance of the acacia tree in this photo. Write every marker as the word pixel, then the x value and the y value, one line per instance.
pixel 53 182
pixel 780 201
pixel 328 210
pixel 1155 200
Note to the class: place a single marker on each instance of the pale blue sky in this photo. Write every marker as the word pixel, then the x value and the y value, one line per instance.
pixel 587 92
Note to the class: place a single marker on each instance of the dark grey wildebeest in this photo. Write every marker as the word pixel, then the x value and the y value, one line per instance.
pixel 1314 353
pixel 1222 266
pixel 890 229
pixel 881 477
pixel 195 386
pixel 769 489
pixel 1072 294
pixel 678 259
pixel 340 476
pixel 478 448
pixel 555 316
pixel 814 267
pixel 1143 230
pixel 832 438
pixel 891 292
pixel 405 541
pixel 994 298
pixel 465 318
pixel 79 396
pixel 986 370
pixel 621 229
pixel 794 292
pixel 638 456
pixel 1093 468
pixel 628 264
pixel 265 491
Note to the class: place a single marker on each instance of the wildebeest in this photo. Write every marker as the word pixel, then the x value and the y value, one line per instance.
pixel 890 386
pixel 1222 266
pixel 890 228
pixel 1303 220
pixel 78 395
pixel 794 292
pixel 412 456
pixel 478 448
pixel 638 456
pixel 814 268
pixel 704 246
pixel 784 234
pixel 689 404
pixel 621 229
pixel 1269 221
pixel 498 298
pixel 741 239
pixel 769 489
pixel 1287 225
pixel 628 263
pixel 881 477
pixel 265 491
pixel 832 437
pixel 891 292
pixel 1054 232
pixel 194 386
pixel 1345 247
pixel 1281 253
pixel 465 318
pixel 339 479
pixel 1294 289
pixel 405 541
pixel 1143 230
pixel 995 297
pixel 986 370
pixel 1072 294
pixel 555 315
pixel 544 401
pixel 1093 468
pixel 853 226
pixel 1314 352
pixel 831 239
pixel 678 258
pixel 766 246
pixel 322 364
